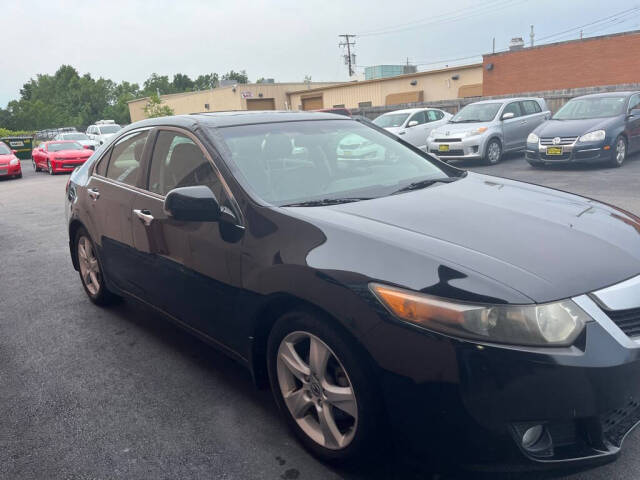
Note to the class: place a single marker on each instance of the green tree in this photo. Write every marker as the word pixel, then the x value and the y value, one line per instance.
pixel 157 84
pixel 154 108
pixel 206 81
pixel 182 83
pixel 240 77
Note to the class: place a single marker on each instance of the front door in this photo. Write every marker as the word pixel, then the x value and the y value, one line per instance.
pixel 417 134
pixel 512 127
pixel 190 270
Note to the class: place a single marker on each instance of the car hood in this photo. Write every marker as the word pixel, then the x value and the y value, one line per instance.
pixel 573 128
pixel 4 159
pixel 72 153
pixel 481 237
pixel 454 128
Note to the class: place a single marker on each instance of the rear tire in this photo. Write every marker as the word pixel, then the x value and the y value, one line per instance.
pixel 313 389
pixel 493 152
pixel 36 168
pixel 90 269
pixel 619 153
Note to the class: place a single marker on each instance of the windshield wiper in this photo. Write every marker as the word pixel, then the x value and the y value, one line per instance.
pixel 326 201
pixel 425 183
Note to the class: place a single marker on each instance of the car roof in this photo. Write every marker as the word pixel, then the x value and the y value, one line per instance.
pixel 608 94
pixel 234 118
pixel 411 110
pixel 507 100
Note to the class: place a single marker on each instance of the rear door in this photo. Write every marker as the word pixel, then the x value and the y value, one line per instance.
pixel 633 124
pixel 110 194
pixel 190 270
pixel 533 114
pixel 512 128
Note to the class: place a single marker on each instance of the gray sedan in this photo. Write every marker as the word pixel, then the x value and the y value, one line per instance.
pixel 485 130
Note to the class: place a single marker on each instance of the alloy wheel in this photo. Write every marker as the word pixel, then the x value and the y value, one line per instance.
pixel 493 152
pixel 317 390
pixel 89 266
pixel 49 167
pixel 35 167
pixel 621 150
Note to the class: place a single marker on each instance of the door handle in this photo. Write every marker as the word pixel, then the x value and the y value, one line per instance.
pixel 93 193
pixel 144 216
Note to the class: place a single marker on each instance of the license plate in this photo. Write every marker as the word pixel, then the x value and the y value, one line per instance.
pixel 443 148
pixel 554 150
pixel 3 171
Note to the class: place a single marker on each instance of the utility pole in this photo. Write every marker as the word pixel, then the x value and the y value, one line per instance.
pixel 494 45
pixel 580 34
pixel 349 60
pixel 532 35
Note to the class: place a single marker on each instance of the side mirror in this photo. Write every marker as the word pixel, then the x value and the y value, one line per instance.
pixel 635 113
pixel 14 151
pixel 508 115
pixel 412 123
pixel 193 204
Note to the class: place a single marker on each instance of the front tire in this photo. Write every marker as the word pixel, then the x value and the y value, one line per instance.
pixel 323 388
pixel 90 270
pixel 493 152
pixel 50 168
pixel 35 166
pixel 619 152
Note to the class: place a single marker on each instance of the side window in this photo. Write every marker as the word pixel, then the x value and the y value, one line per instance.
pixel 418 117
pixel 126 154
pixel 101 167
pixel 178 162
pixel 434 115
pixel 634 102
pixel 530 107
pixel 514 108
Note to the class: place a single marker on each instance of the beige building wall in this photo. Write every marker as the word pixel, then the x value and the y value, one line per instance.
pixel 223 98
pixel 434 85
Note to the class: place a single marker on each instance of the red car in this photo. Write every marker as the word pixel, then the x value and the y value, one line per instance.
pixel 59 156
pixel 9 163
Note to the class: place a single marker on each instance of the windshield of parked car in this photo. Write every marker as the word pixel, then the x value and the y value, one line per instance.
pixel 477 112
pixel 391 120
pixel 109 129
pixel 75 136
pixel 4 150
pixel 56 147
pixel 294 162
pixel 594 107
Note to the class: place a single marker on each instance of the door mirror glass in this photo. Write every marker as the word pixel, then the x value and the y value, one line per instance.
pixel 412 123
pixel 508 115
pixel 192 204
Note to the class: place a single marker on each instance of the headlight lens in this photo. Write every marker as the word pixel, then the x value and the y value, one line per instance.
pixel 596 136
pixel 14 162
pixel 553 324
pixel 532 138
pixel 477 131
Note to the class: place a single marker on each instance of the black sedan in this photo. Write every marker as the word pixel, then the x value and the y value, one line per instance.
pixel 471 319
pixel 599 128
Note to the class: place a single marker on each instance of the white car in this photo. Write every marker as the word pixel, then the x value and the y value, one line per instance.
pixel 102 131
pixel 413 125
pixel 79 137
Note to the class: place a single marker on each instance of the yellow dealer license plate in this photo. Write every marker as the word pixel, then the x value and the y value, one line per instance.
pixel 443 148
pixel 554 150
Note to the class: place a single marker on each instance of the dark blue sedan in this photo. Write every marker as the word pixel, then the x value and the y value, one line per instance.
pixel 600 128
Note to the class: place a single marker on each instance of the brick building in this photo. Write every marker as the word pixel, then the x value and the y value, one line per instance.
pixel 604 60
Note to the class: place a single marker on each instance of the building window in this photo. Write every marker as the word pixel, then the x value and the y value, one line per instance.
pixel 364 104
pixel 206 106
pixel 339 106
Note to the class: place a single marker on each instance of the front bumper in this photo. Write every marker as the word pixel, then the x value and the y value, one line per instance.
pixel 471 148
pixel 66 165
pixel 574 153
pixel 470 403
pixel 10 170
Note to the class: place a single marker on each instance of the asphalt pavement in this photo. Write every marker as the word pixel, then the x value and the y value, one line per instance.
pixel 120 393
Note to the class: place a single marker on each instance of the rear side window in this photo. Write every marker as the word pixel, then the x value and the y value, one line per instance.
pixel 178 162
pixel 125 157
pixel 434 115
pixel 530 107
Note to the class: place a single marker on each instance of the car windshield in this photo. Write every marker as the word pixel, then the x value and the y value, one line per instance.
pixel 477 112
pixel 56 147
pixel 593 107
pixel 75 136
pixel 109 129
pixel 295 162
pixel 4 150
pixel 391 120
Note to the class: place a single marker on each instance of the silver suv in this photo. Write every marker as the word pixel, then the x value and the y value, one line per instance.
pixel 487 129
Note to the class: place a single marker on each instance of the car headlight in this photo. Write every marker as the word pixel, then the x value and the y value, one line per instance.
pixel 596 136
pixel 552 324
pixel 533 138
pixel 473 133
pixel 14 162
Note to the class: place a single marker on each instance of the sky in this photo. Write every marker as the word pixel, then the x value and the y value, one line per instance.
pixel 284 39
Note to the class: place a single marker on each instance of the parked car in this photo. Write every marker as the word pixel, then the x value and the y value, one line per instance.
pixel 79 137
pixel 457 308
pixel 604 127
pixel 59 156
pixel 356 147
pixel 413 124
pixel 9 163
pixel 50 134
pixel 102 130
pixel 486 130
